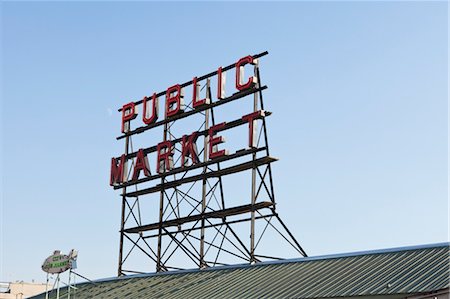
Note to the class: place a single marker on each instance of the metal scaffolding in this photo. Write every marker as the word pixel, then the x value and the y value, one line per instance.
pixel 195 220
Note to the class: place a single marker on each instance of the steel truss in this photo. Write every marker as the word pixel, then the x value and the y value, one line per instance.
pixel 200 227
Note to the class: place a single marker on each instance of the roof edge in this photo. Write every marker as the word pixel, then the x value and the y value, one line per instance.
pixel 364 252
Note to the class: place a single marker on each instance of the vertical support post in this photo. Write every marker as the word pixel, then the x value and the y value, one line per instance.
pixel 69 286
pixel 122 222
pixel 265 137
pixel 57 287
pixel 75 283
pixel 161 212
pixel 213 122
pixel 253 200
pixel 46 288
pixel 205 158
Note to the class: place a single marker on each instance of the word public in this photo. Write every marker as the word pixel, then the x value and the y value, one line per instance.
pixel 174 106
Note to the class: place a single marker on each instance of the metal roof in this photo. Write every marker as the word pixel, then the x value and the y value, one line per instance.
pixel 407 270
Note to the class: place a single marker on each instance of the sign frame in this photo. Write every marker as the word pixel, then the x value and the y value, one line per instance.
pixel 184 228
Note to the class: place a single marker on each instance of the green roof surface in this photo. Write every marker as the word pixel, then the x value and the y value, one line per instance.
pixel 408 270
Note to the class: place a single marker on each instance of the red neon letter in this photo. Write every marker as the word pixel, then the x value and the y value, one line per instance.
pixel 174 102
pixel 189 148
pixel 215 140
pixel 250 118
pixel 128 113
pixel 118 171
pixel 165 159
pixel 155 110
pixel 240 73
pixel 141 164
pixel 221 78
pixel 196 102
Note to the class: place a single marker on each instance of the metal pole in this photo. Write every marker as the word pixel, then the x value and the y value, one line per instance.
pixel 253 200
pixel 161 210
pixel 218 164
pixel 265 137
pixel 57 287
pixel 46 289
pixel 69 287
pixel 205 158
pixel 122 222
pixel 74 283
pixel 292 236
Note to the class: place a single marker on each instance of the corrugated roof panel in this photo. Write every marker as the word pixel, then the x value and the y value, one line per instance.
pixel 421 272
pixel 400 271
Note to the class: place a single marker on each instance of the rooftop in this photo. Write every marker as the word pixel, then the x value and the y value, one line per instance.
pixel 387 272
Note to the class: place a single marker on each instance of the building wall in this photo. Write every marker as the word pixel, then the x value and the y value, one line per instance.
pixel 21 290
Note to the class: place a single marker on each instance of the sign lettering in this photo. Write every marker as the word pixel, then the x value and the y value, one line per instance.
pixel 175 108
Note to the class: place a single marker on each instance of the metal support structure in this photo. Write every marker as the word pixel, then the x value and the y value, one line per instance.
pixel 159 266
pixel 46 288
pixel 197 226
pixel 57 286
pixel 204 181
pixel 253 198
pixel 122 222
pixel 69 285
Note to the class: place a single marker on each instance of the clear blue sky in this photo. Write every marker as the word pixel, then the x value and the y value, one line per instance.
pixel 358 91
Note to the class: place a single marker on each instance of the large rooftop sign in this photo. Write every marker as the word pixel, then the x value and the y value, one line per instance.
pixel 175 109
pixel 196 152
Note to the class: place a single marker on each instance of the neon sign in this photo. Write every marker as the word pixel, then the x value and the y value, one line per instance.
pixel 174 109
pixel 186 167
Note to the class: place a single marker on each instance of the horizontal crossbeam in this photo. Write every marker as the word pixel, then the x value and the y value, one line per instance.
pixel 214 214
pixel 228 222
pixel 218 173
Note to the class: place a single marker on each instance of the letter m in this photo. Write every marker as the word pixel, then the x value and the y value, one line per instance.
pixel 118 170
